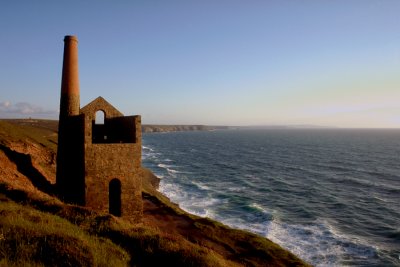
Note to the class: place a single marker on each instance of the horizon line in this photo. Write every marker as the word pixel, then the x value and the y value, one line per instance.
pixel 268 126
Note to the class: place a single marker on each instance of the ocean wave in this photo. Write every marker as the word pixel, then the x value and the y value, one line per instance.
pixel 293 191
pixel 259 207
pixel 168 168
pixel 320 243
pixel 146 148
pixel 201 185
pixel 192 202
pixel 236 188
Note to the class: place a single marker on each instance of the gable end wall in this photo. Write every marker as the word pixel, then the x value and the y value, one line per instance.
pixel 107 161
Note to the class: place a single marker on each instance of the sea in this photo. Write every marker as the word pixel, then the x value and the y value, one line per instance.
pixel 330 196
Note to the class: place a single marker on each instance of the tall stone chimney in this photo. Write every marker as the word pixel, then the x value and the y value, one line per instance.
pixel 69 103
pixel 70 172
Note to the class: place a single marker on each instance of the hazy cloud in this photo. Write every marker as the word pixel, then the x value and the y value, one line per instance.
pixel 8 109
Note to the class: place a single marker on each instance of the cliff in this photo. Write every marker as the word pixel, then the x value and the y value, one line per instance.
pixel 52 125
pixel 38 229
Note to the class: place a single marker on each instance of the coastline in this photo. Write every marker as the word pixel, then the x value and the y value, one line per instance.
pixel 151 128
pixel 162 213
pixel 52 125
pixel 182 239
pixel 203 173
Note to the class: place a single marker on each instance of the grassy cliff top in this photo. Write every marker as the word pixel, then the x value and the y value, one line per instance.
pixel 37 229
pixel 52 125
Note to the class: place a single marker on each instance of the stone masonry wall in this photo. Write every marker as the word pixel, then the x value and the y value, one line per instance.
pixel 107 161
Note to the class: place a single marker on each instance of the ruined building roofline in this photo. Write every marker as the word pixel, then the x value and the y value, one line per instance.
pixel 100 102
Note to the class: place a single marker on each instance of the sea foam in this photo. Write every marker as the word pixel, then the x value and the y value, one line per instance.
pixel 314 193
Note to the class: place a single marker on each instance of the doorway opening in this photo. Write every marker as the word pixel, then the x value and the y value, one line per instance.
pixel 114 197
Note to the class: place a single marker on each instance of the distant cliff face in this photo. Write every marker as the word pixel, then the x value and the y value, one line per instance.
pixel 52 125
pixel 176 128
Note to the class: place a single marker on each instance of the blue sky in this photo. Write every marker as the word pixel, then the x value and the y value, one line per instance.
pixel 330 63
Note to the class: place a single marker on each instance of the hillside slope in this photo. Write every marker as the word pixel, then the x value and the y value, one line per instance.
pixel 38 229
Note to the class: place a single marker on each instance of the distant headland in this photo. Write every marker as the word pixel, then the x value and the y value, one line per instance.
pixel 151 128
pixel 146 128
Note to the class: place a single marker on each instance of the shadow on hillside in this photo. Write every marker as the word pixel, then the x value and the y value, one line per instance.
pixel 25 166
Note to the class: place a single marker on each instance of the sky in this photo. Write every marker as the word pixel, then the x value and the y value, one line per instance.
pixel 220 62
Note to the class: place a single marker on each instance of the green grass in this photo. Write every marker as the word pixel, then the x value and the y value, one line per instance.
pixel 155 248
pixel 48 232
pixel 12 131
pixel 31 237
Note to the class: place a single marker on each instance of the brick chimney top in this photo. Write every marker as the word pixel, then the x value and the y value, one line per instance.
pixel 70 38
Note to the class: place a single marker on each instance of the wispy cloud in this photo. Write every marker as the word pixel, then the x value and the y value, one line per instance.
pixel 8 109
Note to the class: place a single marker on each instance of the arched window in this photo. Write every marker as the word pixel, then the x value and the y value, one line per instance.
pixel 99 117
pixel 114 197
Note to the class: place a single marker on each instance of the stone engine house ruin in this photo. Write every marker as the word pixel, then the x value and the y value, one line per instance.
pixel 98 164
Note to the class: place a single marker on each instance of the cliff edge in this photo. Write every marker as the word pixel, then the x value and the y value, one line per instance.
pixel 38 229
